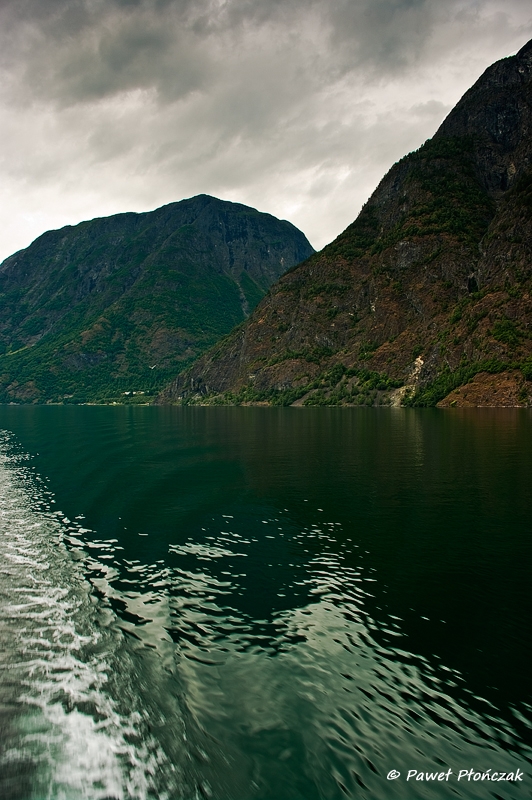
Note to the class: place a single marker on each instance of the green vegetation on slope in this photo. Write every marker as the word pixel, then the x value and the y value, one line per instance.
pixel 95 312
pixel 336 386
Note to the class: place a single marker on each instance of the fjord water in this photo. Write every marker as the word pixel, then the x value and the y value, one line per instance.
pixel 239 603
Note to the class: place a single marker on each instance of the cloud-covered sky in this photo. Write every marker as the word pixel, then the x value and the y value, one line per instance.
pixel 295 107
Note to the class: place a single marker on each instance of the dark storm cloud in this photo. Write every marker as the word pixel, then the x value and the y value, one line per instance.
pixel 295 106
pixel 83 50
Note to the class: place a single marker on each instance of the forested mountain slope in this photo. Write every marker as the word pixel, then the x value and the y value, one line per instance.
pixel 120 304
pixel 429 287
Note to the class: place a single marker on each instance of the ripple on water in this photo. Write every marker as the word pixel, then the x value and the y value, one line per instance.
pixel 321 697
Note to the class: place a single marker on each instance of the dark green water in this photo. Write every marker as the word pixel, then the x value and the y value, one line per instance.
pixel 264 603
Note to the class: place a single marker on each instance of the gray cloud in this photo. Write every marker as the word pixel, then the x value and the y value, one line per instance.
pixel 85 50
pixel 295 106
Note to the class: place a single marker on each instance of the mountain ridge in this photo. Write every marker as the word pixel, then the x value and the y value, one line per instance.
pixel 427 288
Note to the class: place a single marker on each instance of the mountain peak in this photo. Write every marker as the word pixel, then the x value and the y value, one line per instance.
pixel 122 302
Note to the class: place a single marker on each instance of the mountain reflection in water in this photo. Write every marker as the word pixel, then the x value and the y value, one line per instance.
pixel 263 603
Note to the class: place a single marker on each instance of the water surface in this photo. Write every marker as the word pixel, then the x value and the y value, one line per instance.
pixel 263 603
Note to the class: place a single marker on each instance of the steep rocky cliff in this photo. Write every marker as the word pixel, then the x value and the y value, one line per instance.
pixel 118 304
pixel 428 288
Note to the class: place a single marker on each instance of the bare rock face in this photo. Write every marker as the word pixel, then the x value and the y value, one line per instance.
pixel 119 304
pixel 430 285
pixel 505 390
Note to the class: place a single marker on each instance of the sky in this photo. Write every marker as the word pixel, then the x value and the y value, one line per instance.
pixel 295 107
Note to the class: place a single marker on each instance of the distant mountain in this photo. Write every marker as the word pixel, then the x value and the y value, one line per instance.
pixel 429 290
pixel 120 304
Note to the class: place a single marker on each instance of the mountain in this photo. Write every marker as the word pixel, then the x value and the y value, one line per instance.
pixel 119 304
pixel 427 291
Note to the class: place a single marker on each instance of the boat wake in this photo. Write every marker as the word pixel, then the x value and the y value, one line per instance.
pixel 71 694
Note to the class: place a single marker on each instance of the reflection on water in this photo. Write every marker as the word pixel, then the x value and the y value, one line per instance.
pixel 263 603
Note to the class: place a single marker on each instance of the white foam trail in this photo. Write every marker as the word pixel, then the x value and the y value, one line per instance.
pixel 66 735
